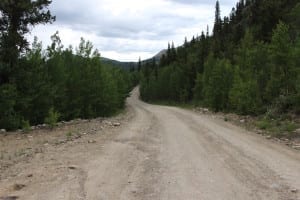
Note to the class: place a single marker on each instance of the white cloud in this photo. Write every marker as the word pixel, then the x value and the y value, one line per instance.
pixel 127 29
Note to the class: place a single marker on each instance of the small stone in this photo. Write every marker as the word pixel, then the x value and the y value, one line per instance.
pixel 108 123
pixel 294 190
pixel 297 131
pixel 116 124
pixel 62 141
pixel 275 186
pixel 297 147
pixel 242 121
pixel 3 130
pixel 30 175
pixel 18 186
pixel 72 167
pixel 91 141
pixel 84 133
pixel 269 137
pixel 77 136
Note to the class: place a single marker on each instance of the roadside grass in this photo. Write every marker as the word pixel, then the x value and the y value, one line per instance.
pixel 26 126
pixel 277 127
pixel 69 134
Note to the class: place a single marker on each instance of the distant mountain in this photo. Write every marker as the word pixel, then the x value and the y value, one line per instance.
pixel 160 54
pixel 129 65
pixel 157 57
pixel 123 65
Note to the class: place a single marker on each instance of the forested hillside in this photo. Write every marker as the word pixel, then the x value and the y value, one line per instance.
pixel 250 64
pixel 45 85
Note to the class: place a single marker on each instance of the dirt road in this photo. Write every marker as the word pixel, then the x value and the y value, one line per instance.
pixel 166 153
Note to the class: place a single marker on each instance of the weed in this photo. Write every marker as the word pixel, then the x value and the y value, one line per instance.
pixel 288 126
pixel 264 124
pixel 69 134
pixel 25 126
pixel 52 118
pixel 278 127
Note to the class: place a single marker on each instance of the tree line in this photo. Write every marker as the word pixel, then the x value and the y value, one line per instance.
pixel 250 64
pixel 45 85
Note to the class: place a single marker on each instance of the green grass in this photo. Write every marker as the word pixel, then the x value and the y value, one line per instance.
pixel 277 127
pixel 26 126
pixel 52 118
pixel 69 134
pixel 264 124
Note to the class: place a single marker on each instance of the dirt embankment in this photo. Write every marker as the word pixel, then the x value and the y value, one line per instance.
pixel 45 157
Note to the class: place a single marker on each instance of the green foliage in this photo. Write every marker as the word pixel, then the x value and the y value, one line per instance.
pixel 69 134
pixel 17 17
pixel 283 74
pixel 198 90
pixel 52 118
pixel 277 127
pixel 35 81
pixel 9 118
pixel 77 86
pixel 25 125
pixel 218 81
pixel 249 65
pixel 264 124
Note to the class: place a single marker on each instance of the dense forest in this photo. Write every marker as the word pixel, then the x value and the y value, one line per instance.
pixel 250 64
pixel 46 85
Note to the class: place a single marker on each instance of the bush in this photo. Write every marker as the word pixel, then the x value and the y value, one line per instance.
pixel 25 125
pixel 52 118
pixel 264 124
pixel 9 118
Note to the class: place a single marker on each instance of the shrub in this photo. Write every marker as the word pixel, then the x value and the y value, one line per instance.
pixel 52 118
pixel 25 125
pixel 264 124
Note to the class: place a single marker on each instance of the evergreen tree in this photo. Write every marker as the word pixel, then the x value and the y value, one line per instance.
pixel 218 21
pixel 16 19
pixel 139 67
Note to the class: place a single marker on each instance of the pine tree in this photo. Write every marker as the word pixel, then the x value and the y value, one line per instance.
pixel 139 67
pixel 16 19
pixel 218 21
pixel 217 32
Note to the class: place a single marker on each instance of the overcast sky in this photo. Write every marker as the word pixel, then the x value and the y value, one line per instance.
pixel 128 29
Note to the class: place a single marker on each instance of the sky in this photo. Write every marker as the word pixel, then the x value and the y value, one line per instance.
pixel 125 30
